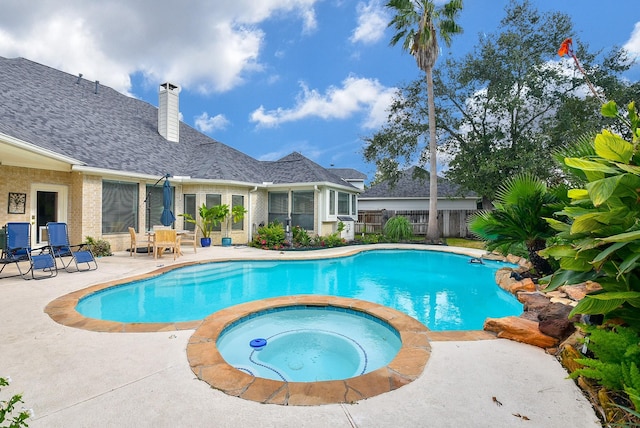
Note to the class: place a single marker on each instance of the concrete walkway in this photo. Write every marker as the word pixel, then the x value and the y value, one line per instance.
pixel 77 378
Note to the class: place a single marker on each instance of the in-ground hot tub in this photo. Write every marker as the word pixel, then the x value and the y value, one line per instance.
pixel 405 365
pixel 309 343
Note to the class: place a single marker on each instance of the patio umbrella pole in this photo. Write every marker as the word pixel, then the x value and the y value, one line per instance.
pixel 147 200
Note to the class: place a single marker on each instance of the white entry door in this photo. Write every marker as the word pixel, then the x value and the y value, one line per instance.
pixel 48 203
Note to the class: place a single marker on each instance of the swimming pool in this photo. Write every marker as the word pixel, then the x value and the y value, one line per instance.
pixel 442 290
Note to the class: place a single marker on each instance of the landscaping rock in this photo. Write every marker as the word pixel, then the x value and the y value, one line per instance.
pixel 524 285
pixel 533 301
pixel 556 327
pixel 577 292
pixel 520 330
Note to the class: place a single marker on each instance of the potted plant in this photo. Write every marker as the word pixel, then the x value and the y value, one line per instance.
pixel 209 218
pixel 235 215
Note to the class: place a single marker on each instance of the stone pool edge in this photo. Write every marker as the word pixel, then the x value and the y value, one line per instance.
pixel 209 366
pixel 63 309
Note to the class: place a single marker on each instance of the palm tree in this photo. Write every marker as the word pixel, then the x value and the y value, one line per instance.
pixel 522 203
pixel 415 22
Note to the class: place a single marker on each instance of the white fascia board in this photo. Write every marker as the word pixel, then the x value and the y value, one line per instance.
pixel 16 142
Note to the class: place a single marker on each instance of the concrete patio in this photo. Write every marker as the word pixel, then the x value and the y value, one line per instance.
pixel 79 378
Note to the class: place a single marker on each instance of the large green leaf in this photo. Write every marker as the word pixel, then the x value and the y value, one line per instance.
pixel 633 169
pixel 623 237
pixel 587 165
pixel 601 190
pixel 557 251
pixel 590 305
pixel 558 225
pixel 576 264
pixel 629 263
pixel 609 109
pixel 565 277
pixel 578 194
pixel 613 147
pixel 604 254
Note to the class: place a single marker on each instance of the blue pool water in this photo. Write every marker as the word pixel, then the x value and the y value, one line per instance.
pixel 309 344
pixel 442 290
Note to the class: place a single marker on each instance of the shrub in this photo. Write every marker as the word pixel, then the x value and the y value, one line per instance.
pixel 270 237
pixel 8 407
pixel 300 237
pixel 99 247
pixel 615 365
pixel 398 229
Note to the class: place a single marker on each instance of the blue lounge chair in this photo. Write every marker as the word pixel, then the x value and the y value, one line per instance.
pixel 59 246
pixel 18 250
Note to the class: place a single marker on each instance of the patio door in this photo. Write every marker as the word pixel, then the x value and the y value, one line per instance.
pixel 48 203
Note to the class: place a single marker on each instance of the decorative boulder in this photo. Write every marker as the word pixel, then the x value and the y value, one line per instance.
pixel 520 330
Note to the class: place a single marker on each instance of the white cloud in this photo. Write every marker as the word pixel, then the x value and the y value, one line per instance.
pixel 207 46
pixel 355 96
pixel 372 21
pixel 208 124
pixel 633 45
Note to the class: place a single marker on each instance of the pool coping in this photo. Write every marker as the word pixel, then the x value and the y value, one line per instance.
pixel 63 309
pixel 209 366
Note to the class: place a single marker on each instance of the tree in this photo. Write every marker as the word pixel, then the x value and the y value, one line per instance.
pixel 508 105
pixel 415 22
pixel 521 206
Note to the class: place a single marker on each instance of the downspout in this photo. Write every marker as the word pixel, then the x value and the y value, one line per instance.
pixel 250 212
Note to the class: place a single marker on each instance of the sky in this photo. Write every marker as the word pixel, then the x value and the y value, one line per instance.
pixel 268 77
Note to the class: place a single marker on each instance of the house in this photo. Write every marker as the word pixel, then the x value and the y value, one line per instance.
pixel 411 192
pixel 409 197
pixel 76 151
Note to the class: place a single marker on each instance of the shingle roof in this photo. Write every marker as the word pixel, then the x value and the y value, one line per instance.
pixel 348 173
pixel 409 187
pixel 295 168
pixel 63 113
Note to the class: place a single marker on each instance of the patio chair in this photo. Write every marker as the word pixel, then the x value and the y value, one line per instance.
pixel 18 250
pixel 78 254
pixel 137 240
pixel 164 239
pixel 190 237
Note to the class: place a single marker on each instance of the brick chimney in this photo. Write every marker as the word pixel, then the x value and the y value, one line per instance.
pixel 168 119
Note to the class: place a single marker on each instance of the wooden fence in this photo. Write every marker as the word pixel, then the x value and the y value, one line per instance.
pixel 451 223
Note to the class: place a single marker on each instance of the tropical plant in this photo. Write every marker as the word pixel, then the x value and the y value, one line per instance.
pixel 522 203
pixel 415 22
pixel 398 228
pixel 208 219
pixel 602 234
pixel 223 215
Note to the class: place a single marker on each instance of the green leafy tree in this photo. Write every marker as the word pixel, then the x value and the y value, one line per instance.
pixel 418 23
pixel 503 108
pixel 522 202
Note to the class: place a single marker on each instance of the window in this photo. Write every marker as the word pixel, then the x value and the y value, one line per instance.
pixel 343 203
pixel 211 200
pixel 332 202
pixel 153 205
pixel 302 209
pixel 119 206
pixel 278 207
pixel 354 206
pixel 237 200
pixel 190 208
